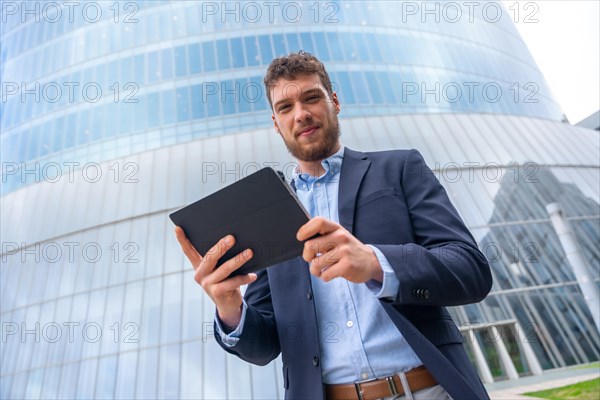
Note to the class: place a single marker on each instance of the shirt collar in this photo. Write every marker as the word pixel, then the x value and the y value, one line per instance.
pixel 332 166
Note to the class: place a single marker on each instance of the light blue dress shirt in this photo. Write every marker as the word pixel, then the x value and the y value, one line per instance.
pixel 358 340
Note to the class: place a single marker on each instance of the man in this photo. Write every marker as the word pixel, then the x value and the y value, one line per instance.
pixel 362 314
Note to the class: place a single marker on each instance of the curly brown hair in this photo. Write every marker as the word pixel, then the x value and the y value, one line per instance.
pixel 292 65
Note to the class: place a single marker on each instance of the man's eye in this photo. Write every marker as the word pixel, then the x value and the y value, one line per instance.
pixel 284 107
pixel 313 98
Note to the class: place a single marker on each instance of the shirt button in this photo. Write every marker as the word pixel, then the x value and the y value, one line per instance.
pixel 364 376
pixel 318 184
pixel 315 361
pixel 349 324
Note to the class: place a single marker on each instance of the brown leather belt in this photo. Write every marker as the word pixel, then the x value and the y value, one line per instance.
pixel 418 379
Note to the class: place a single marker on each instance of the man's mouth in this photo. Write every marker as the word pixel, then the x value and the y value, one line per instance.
pixel 308 131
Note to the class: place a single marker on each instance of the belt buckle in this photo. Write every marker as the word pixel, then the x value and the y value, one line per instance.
pixel 358 388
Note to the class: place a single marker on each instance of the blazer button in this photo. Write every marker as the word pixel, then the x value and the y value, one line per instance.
pixel 426 294
pixel 309 295
pixel 315 361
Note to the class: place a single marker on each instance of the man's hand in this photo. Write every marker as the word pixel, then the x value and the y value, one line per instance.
pixel 225 293
pixel 337 253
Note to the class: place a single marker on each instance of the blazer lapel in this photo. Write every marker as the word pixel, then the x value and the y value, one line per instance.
pixel 354 168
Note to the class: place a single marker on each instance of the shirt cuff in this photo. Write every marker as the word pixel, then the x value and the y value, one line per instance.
pixel 391 284
pixel 230 339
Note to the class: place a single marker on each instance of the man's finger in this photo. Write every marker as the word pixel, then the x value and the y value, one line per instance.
pixel 332 271
pixel 239 280
pixel 209 261
pixel 315 247
pixel 225 269
pixel 316 225
pixel 188 249
pixel 319 264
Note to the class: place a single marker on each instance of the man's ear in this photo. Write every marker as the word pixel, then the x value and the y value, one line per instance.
pixel 275 124
pixel 336 102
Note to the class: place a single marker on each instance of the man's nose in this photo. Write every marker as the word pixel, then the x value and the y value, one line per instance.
pixel 302 113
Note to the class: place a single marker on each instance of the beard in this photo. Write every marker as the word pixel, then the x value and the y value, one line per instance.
pixel 318 150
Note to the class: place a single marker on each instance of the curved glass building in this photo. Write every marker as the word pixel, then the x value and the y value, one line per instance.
pixel 115 114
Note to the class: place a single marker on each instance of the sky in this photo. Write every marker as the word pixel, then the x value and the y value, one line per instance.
pixel 563 37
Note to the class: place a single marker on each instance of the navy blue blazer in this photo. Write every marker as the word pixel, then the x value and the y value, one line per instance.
pixel 392 200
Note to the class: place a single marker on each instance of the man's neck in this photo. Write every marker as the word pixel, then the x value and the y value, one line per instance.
pixel 315 168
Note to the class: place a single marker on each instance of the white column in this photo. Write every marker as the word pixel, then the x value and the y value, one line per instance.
pixel 578 262
pixel 482 366
pixel 528 354
pixel 505 359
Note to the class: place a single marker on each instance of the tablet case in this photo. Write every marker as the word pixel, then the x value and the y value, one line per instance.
pixel 261 211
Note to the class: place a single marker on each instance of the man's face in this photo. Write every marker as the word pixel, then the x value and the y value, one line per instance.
pixel 306 117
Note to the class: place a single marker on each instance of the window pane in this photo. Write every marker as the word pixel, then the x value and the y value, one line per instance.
pixel 335 46
pixel 150 328
pixel 293 42
pixel 140 71
pixel 101 119
pixel 35 140
pixel 194 58
pixel 388 90
pixel 168 107
pixel 147 373
pixel 265 49
pixel 166 64
pixel 251 44
pixel 169 372
pixel 140 119
pixel 126 70
pixel 307 44
pixel 257 95
pixel 223 54
pixel 152 67
pixel 229 96
pixel 374 40
pixel 87 379
pixel 279 45
pixel 180 61
pixel 68 381
pixel 208 56
pixel 237 52
pixel 183 108
pixel 125 376
pixel 197 102
pixel 345 88
pixel 213 101
pixel 106 377
pixel 360 87
pixel 247 93
pixel 373 85
pixel 70 135
pixel 153 100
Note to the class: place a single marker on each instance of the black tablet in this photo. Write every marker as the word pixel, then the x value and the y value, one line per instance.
pixel 261 211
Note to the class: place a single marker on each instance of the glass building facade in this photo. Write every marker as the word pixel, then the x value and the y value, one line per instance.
pixel 115 114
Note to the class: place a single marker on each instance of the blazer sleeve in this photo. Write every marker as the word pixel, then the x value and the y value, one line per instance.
pixel 443 267
pixel 259 342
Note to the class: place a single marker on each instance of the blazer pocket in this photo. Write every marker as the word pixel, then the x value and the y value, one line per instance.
pixel 388 191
